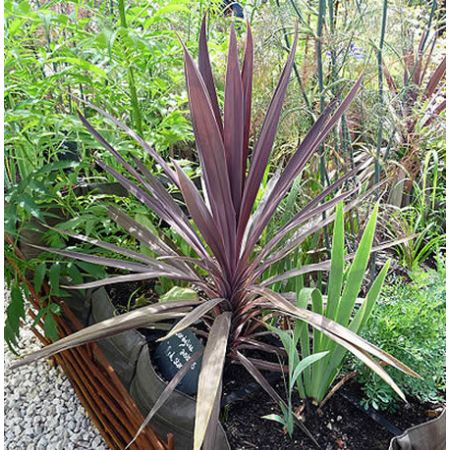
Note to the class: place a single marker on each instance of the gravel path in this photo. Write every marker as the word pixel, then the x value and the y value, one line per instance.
pixel 42 411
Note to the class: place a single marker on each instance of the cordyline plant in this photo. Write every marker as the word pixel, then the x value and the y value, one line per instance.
pixel 228 224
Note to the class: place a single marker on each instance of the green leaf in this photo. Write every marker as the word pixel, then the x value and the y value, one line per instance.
pixel 50 328
pixel 317 307
pixel 74 274
pixel 337 264
pixel 38 317
pixel 29 205
pixel 275 418
pixel 357 270
pixel 179 293
pixel 94 270
pixel 81 63
pixel 363 314
pixel 54 277
pixel 306 362
pixel 39 275
pixel 333 364
pixel 54 308
pixel 14 312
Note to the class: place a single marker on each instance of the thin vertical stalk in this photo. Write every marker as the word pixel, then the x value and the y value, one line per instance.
pixel 136 112
pixel 380 115
pixel 334 73
pixel 380 91
pixel 288 48
pixel 320 20
pixel 323 175
pixel 332 26
pixel 430 21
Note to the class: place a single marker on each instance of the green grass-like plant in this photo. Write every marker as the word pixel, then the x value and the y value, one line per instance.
pixel 339 305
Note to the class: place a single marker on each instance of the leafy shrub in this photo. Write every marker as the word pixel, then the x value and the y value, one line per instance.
pixel 409 322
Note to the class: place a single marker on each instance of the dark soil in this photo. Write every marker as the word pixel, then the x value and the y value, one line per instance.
pixel 124 296
pixel 343 424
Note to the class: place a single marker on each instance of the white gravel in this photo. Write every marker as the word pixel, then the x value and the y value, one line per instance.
pixel 42 411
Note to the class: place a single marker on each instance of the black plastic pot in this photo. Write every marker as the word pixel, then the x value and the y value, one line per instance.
pixel 121 350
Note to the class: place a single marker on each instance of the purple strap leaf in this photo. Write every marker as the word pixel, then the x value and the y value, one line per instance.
pixel 133 277
pixel 247 80
pixel 264 144
pixel 139 318
pixel 152 152
pixel 315 226
pixel 325 266
pixel 106 245
pixel 313 139
pixel 212 155
pixel 109 262
pixel 233 127
pixel 210 378
pixel 204 66
pixel 149 181
pixel 140 232
pixel 185 230
pixel 435 78
pixel 202 217
pixel 192 317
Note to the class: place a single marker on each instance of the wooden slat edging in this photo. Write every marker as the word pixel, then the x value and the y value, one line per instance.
pixel 102 394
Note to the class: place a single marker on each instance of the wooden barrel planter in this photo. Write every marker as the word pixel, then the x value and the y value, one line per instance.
pixel 99 389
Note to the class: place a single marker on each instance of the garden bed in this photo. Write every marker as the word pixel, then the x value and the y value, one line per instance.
pixel 342 423
pixel 269 242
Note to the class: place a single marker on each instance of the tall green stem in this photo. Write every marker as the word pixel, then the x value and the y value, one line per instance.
pixel 296 71
pixel 320 20
pixel 380 91
pixel 334 74
pixel 323 175
pixel 136 112
pixel 380 115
